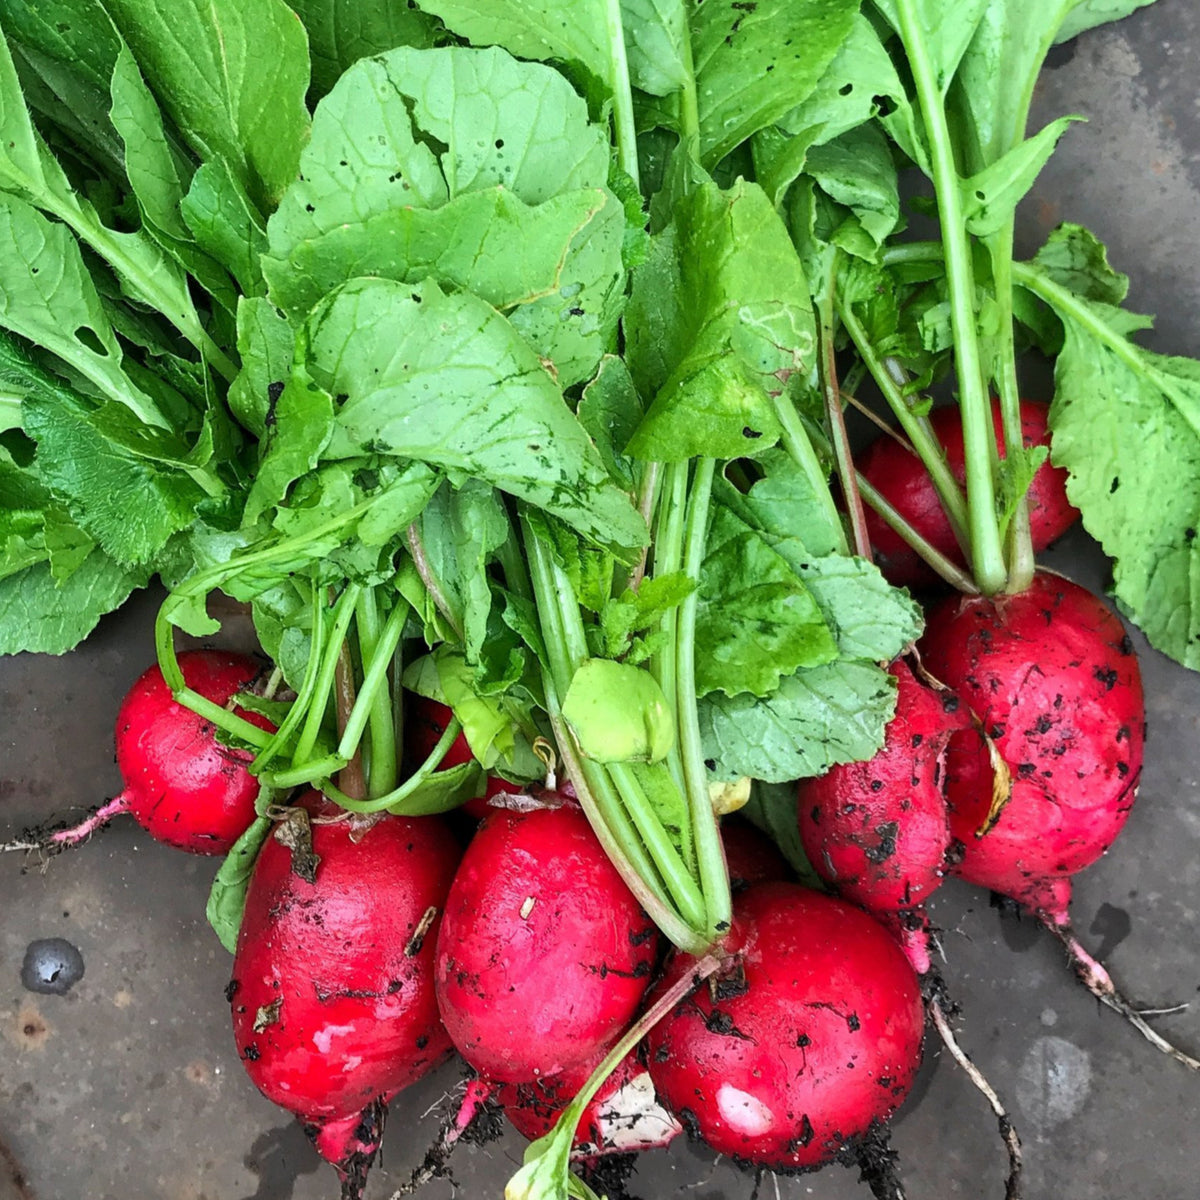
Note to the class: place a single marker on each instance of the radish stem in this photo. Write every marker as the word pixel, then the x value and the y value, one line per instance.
pixel 986 554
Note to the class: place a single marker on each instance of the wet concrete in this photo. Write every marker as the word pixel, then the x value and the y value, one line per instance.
pixel 128 1087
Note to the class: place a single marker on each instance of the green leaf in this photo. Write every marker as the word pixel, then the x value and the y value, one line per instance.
pixel 129 502
pixel 220 216
pixel 754 65
pixel 446 380
pixel 618 713
pixel 538 29
pixel 300 431
pixel 718 321
pixel 232 77
pixel 42 616
pixel 1126 424
pixel 227 897
pixel 516 211
pixel 1090 13
pixel 949 26
pixel 47 296
pixel 461 528
pixel 818 718
pixel 153 168
pixel 756 620
pixel 856 170
pixel 442 791
pixel 610 411
pixel 635 612
pixel 266 343
pixel 656 33
pixel 772 808
pixel 990 197
pixel 340 32
pixel 1075 258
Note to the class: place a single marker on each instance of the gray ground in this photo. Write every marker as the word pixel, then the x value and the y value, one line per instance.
pixel 128 1088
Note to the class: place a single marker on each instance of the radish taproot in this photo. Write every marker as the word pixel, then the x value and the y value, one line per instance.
pixel 539 934
pixel 332 987
pixel 898 475
pixel 813 1042
pixel 186 788
pixel 1053 683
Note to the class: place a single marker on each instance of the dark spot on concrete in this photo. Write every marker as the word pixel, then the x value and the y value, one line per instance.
pixel 52 967
pixel 279 1157
pixel 1112 926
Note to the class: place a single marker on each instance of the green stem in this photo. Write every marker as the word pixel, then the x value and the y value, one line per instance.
pixel 931 454
pixel 710 856
pixel 398 795
pixel 836 417
pixel 624 125
pixel 689 101
pixel 309 772
pixel 986 553
pixel 597 795
pixel 343 611
pixel 373 704
pixel 230 722
pixel 672 870
pixel 1021 564
pixel 668 559
pixel 799 446
pixel 300 705
pixel 433 585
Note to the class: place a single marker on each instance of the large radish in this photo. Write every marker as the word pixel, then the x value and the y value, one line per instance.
pixel 332 989
pixel 1052 681
pixel 812 1043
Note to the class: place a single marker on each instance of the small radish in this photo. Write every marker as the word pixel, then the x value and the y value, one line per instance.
pixel 1052 680
pixel 542 936
pixel 332 989
pixel 814 1042
pixel 182 785
pixel 900 477
pixel 750 855
pixel 877 832
pixel 624 1116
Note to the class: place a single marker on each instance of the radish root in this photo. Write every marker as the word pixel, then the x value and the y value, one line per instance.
pixel 474 1102
pixel 1093 975
pixel 1008 1131
pixel 60 839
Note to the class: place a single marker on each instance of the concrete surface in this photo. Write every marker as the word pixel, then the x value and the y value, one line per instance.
pixel 129 1087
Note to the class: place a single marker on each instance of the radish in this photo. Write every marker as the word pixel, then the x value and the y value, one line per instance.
pixel 541 935
pixel 622 1118
pixel 332 990
pixel 814 1041
pixel 750 855
pixel 182 785
pixel 877 832
pixel 900 477
pixel 1051 678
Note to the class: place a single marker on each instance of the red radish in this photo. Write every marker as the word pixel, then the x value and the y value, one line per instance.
pixel 623 1117
pixel 182 785
pixel 1051 677
pixel 900 477
pixel 332 989
pixel 750 855
pixel 877 832
pixel 541 936
pixel 427 721
pixel 816 1041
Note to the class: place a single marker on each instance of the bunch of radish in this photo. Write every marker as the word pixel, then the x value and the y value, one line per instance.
pixel 531 466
